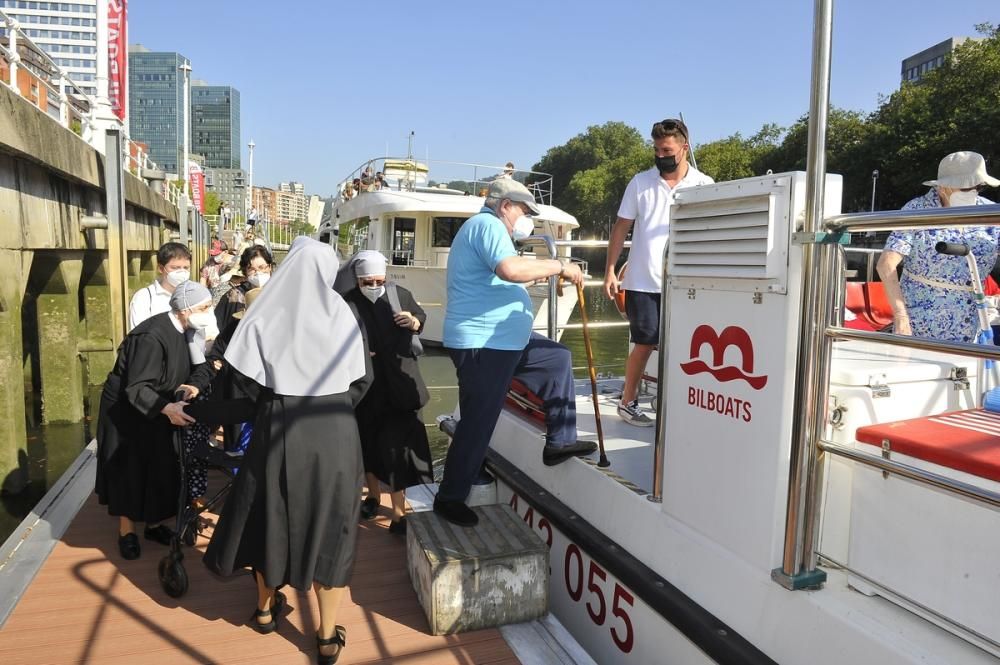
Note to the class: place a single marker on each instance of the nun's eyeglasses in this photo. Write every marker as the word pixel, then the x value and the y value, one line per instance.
pixel 373 282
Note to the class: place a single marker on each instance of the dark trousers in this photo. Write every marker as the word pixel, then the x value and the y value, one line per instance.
pixel 484 376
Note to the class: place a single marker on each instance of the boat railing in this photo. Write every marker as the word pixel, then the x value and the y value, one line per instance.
pixel 870 256
pixel 439 176
pixel 805 483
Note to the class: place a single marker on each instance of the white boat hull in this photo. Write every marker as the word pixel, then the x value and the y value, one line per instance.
pixel 830 627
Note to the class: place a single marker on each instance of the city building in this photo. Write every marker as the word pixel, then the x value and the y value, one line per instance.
pixel 265 200
pixel 316 205
pixel 917 65
pixel 215 124
pixel 230 185
pixel 66 31
pixel 292 203
pixel 156 104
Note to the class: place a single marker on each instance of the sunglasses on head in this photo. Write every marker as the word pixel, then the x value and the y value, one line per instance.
pixel 672 124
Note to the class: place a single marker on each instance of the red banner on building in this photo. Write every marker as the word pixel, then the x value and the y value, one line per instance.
pixel 118 56
pixel 197 177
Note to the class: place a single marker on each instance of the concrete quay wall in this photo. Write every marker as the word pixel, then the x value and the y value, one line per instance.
pixel 55 306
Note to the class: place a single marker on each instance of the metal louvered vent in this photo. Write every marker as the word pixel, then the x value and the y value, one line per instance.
pixel 729 230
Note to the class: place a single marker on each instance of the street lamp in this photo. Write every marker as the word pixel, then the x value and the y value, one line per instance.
pixel 874 180
pixel 186 68
pixel 246 212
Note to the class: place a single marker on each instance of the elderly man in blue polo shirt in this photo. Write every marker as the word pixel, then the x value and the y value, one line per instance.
pixel 487 331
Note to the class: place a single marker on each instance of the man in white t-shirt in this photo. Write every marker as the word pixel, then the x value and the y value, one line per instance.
pixel 646 205
pixel 173 267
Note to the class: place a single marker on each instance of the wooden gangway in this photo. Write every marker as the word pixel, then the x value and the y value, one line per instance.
pixel 87 605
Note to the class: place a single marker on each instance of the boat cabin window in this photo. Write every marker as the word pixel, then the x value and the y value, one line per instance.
pixel 445 229
pixel 404 239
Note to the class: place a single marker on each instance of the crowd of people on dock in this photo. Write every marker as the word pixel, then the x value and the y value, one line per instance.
pixel 312 372
pixel 313 368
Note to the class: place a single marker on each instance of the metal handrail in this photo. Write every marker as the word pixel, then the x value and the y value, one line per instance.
pixel 542 187
pixel 553 310
pixel 913 473
pixel 822 296
pixel 891 220
pixel 869 260
pixel 919 343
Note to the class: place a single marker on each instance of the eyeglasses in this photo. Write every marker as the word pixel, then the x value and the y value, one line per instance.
pixel 372 282
pixel 671 124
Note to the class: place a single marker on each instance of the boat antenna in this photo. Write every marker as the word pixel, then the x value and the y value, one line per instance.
pixel 409 147
pixel 694 162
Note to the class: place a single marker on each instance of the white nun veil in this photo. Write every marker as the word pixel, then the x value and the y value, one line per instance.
pixel 300 337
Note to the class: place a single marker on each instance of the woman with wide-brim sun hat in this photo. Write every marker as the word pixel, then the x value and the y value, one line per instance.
pixel 934 297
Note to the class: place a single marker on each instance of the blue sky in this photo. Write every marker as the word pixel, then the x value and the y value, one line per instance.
pixel 326 85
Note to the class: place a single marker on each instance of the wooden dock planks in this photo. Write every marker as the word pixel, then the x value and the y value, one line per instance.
pixel 87 605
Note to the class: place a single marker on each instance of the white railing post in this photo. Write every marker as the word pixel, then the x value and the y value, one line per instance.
pixel 63 102
pixel 15 58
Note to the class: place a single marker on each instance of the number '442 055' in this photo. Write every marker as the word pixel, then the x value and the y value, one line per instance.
pixel 600 610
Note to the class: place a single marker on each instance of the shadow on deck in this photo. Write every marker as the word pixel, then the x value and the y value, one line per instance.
pixel 87 605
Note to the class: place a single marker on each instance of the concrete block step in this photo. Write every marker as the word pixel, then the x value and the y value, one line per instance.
pixel 466 579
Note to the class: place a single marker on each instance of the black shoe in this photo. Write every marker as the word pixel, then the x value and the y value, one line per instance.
pixel 552 455
pixel 369 508
pixel 277 605
pixel 128 546
pixel 159 533
pixel 398 527
pixel 339 638
pixel 456 512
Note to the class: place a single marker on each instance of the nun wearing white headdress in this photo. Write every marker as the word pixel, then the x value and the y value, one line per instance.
pixel 292 514
pixel 394 444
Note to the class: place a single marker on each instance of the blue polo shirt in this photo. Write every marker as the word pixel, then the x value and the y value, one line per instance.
pixel 483 310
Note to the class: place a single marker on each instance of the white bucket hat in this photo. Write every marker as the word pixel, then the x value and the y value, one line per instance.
pixel 962 170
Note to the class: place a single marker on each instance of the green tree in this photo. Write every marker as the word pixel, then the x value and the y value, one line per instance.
pixel 954 107
pixel 212 203
pixel 848 153
pixel 736 157
pixel 590 171
pixel 301 228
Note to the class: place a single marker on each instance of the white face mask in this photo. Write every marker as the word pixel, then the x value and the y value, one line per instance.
pixel 524 226
pixel 219 258
pixel 959 198
pixel 259 279
pixel 373 293
pixel 201 320
pixel 178 277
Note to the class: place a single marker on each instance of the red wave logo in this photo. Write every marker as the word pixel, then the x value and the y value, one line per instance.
pixel 731 336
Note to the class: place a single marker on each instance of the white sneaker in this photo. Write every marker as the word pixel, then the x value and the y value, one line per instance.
pixel 631 414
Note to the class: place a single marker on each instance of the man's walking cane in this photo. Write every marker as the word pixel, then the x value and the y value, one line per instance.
pixel 603 462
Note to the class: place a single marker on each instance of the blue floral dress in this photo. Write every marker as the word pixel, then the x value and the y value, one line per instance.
pixel 935 312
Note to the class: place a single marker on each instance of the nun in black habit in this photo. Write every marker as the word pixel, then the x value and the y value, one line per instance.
pixel 293 511
pixel 394 443
pixel 137 473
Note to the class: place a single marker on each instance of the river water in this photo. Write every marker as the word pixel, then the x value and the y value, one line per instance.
pixel 51 449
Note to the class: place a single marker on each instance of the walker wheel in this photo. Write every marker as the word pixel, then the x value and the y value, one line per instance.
pixel 173 577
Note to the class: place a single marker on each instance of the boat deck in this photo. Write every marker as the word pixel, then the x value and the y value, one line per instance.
pixel 87 605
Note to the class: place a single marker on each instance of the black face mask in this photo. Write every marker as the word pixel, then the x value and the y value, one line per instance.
pixel 666 164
